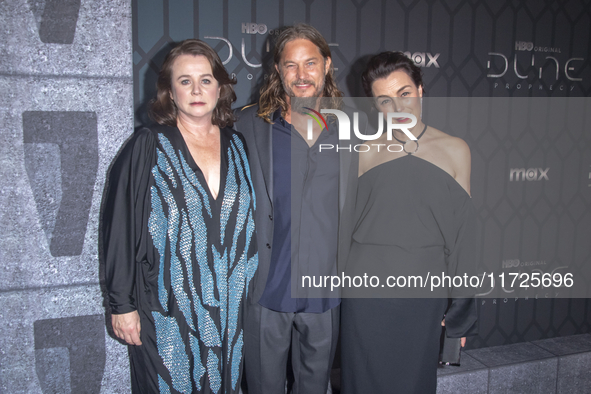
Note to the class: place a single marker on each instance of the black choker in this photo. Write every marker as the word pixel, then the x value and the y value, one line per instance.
pixel 416 141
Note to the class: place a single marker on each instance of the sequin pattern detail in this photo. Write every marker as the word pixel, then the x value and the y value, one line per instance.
pixel 195 182
pixel 236 288
pixel 167 146
pixel 198 368
pixel 162 386
pixel 165 166
pixel 220 266
pixel 172 350
pixel 177 282
pixel 200 238
pixel 213 372
pixel 236 357
pixel 185 248
pixel 157 226
pixel 229 197
pixel 243 201
pixel 209 333
pixel 240 148
pixel 253 262
pixel 194 202
pixel 204 269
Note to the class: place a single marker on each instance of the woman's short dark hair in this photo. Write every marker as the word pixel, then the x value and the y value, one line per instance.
pixel 384 64
pixel 162 108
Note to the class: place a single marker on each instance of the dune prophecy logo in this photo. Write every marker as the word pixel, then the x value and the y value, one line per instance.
pixel 535 66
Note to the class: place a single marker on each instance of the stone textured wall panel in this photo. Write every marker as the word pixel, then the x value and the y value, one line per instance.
pixel 100 42
pixel 24 246
pixel 44 331
pixel 66 109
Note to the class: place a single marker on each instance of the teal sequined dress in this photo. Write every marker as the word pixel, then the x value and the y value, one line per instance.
pixel 182 259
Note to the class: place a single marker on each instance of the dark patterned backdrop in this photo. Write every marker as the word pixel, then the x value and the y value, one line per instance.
pixel 466 49
pixel 71 78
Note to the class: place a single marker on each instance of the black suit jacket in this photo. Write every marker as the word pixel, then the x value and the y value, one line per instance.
pixel 258 135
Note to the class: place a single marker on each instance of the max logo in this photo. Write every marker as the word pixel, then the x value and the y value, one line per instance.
pixel 420 59
pixel 345 124
pixel 531 174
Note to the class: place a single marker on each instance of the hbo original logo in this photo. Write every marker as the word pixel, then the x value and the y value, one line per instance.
pixel 511 263
pixel 253 28
pixel 524 46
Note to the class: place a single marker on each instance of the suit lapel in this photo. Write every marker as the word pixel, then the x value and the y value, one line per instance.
pixel 264 141
pixel 344 171
pixel 349 164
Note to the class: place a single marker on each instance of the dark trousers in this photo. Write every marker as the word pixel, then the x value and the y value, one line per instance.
pixel 269 335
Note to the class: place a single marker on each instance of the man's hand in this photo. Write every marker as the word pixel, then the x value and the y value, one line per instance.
pixel 127 327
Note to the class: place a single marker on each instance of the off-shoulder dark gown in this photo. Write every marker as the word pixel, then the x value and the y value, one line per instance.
pixel 182 259
pixel 412 216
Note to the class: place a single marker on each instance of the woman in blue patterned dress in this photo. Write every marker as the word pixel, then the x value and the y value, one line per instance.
pixel 178 233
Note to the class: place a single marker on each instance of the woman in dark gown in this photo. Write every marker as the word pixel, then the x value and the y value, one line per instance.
pixel 178 233
pixel 413 215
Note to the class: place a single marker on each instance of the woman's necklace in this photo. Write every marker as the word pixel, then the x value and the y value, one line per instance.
pixel 416 141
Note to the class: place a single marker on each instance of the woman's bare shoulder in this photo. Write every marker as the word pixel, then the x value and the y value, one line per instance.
pixel 454 147
pixel 456 153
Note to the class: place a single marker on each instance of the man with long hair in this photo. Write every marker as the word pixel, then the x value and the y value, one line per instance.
pixel 297 215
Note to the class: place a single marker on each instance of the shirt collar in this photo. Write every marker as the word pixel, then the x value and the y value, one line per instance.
pixel 277 116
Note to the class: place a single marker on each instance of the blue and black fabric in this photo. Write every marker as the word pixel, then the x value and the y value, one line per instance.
pixel 182 259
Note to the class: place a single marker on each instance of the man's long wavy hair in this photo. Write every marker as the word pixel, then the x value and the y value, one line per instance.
pixel 272 93
pixel 164 111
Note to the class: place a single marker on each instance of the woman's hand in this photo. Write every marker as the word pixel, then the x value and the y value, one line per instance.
pixel 127 327
pixel 462 340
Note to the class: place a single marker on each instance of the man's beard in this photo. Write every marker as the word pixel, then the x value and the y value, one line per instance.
pixel 299 104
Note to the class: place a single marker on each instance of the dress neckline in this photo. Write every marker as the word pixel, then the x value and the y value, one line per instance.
pixel 422 160
pixel 197 170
